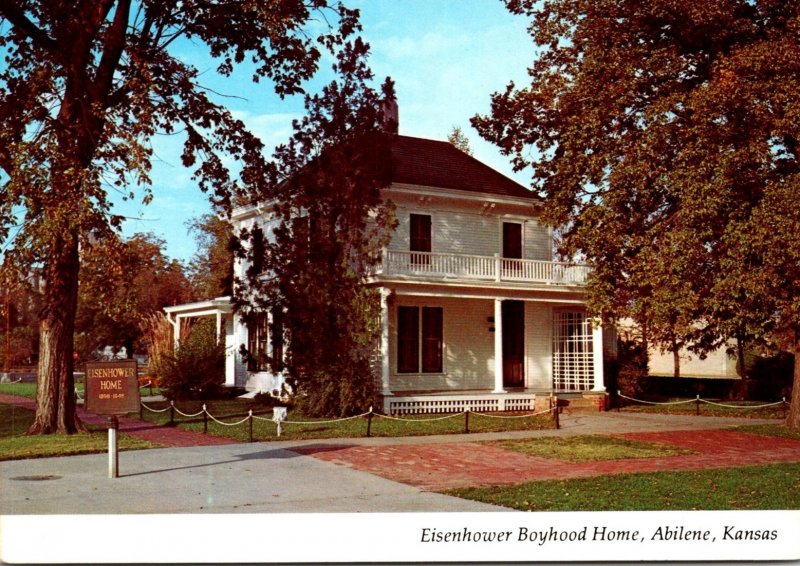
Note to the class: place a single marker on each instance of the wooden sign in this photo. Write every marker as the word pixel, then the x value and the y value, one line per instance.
pixel 112 388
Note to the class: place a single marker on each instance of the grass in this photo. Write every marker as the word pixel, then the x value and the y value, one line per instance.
pixel 772 486
pixel 747 409
pixel 779 430
pixel 232 411
pixel 590 448
pixel 14 445
pixel 19 389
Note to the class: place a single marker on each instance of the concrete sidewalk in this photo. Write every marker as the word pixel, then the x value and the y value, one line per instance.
pixel 269 477
pixel 234 478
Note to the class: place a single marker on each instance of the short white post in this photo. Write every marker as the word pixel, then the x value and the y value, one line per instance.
pixel 113 453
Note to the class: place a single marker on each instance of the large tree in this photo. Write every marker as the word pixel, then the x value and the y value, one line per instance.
pixel 123 282
pixel 307 267
pixel 664 137
pixel 83 88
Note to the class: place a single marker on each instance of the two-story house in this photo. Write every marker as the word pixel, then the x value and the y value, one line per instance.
pixel 475 313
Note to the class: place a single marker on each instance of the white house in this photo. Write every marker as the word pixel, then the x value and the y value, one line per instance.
pixel 475 312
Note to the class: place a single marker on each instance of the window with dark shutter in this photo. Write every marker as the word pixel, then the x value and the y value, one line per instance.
pixel 407 340
pixel 420 343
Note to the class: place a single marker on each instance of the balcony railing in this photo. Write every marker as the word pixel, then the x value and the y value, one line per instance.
pixel 482 268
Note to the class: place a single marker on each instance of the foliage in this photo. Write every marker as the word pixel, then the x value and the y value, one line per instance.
pixel 328 225
pixel 20 301
pixel 459 140
pixel 122 283
pixel 774 486
pixel 83 90
pixel 589 448
pixel 211 268
pixel 664 137
pixel 196 368
pixel 157 336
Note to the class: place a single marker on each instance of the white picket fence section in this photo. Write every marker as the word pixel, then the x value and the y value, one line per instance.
pixel 479 403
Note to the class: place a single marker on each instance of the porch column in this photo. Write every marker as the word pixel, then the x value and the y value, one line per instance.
pixel 498 346
pixel 597 356
pixel 218 317
pixel 177 333
pixel 385 351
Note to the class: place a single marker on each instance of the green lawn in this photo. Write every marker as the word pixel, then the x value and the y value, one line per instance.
pixel 773 486
pixel 590 448
pixel 233 411
pixel 20 389
pixel 780 430
pixel 14 445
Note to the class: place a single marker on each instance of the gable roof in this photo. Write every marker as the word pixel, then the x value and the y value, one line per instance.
pixel 431 163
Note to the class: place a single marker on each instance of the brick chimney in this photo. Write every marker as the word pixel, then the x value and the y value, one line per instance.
pixel 391 115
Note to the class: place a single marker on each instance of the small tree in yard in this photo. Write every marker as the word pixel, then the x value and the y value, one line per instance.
pixel 330 225
pixel 83 89
pixel 664 136
pixel 196 367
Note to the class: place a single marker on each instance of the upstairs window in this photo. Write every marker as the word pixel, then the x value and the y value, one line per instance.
pixel 421 239
pixel 420 343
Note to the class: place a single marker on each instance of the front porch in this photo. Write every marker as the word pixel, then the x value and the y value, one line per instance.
pixel 488 402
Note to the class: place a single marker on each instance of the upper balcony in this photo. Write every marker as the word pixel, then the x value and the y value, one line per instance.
pixel 448 266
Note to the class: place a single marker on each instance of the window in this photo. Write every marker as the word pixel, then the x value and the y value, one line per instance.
pixel 421 240
pixel 265 342
pixel 257 340
pixel 420 342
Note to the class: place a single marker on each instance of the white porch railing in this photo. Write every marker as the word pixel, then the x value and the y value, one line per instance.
pixel 457 403
pixel 484 268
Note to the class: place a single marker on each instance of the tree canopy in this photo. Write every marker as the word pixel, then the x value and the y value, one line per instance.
pixel 123 282
pixel 85 86
pixel 663 136
pixel 307 264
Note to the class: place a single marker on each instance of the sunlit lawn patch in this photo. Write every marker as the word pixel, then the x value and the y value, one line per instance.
pixel 773 486
pixel 770 430
pixel 590 448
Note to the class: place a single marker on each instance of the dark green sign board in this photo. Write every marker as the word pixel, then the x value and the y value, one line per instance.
pixel 112 388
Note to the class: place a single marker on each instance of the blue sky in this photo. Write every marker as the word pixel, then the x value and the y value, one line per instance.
pixel 445 56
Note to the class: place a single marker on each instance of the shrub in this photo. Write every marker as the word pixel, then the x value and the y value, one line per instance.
pixel 196 368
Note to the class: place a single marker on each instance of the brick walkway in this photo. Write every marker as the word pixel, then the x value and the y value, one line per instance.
pixel 172 437
pixel 435 467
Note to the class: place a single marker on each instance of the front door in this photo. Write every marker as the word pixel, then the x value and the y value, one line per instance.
pixel 513 343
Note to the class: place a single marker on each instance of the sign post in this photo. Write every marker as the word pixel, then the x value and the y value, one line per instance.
pixel 112 389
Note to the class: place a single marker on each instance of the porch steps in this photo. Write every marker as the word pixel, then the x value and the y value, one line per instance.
pixel 582 402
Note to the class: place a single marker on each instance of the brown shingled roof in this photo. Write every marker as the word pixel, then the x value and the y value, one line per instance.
pixel 431 163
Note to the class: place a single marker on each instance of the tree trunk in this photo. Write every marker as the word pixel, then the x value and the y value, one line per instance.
pixel 793 418
pixel 55 394
pixel 676 358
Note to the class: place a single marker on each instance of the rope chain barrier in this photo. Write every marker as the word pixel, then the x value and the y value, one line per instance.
pixel 370 413
pixel 700 400
pixel 488 416
pixel 429 420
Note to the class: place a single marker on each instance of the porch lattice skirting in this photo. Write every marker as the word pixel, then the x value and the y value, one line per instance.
pixel 458 403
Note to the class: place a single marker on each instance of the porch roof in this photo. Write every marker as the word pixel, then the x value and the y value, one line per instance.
pixel 220 305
